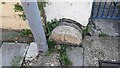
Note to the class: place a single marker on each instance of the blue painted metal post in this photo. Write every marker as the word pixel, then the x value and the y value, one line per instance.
pixel 114 9
pixel 118 13
pixel 93 7
pixel 98 9
pixel 103 9
pixel 109 10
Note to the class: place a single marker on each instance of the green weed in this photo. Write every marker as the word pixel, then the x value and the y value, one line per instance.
pixel 51 46
pixel 50 26
pixel 23 16
pixel 62 52
pixel 25 32
pixel 19 8
pixel 103 35
pixel 63 56
pixel 41 6
pixel 87 30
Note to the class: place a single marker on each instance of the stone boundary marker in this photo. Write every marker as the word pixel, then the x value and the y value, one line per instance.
pixel 67 33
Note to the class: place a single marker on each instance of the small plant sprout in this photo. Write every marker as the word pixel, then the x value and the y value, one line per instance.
pixel 19 8
pixel 26 32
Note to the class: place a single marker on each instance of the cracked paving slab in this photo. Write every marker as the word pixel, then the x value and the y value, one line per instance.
pixel 75 54
pixel 12 53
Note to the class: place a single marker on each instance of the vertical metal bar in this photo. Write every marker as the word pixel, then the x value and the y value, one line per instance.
pixel 93 9
pixel 104 9
pixel 114 9
pixel 118 13
pixel 98 9
pixel 100 63
pixel 109 9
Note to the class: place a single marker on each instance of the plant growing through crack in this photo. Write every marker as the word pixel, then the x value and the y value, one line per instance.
pixel 103 35
pixel 52 45
pixel 87 30
pixel 50 25
pixel 63 58
pixel 41 6
pixel 25 32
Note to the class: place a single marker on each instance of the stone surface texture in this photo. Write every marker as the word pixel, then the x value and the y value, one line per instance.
pixel 109 27
pixel 32 51
pixel 66 34
pixel 51 60
pixel 13 53
pixel 100 48
pixel 75 55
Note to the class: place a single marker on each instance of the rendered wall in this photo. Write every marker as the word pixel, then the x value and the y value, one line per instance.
pixel 78 11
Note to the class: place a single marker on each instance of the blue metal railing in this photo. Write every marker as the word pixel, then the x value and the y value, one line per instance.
pixel 103 10
pixel 106 10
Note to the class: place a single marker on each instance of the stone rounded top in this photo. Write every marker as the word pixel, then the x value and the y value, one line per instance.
pixel 65 34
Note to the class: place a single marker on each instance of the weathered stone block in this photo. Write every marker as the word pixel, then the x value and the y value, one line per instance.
pixel 64 34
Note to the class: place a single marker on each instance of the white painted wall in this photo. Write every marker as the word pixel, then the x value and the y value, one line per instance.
pixel 78 11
